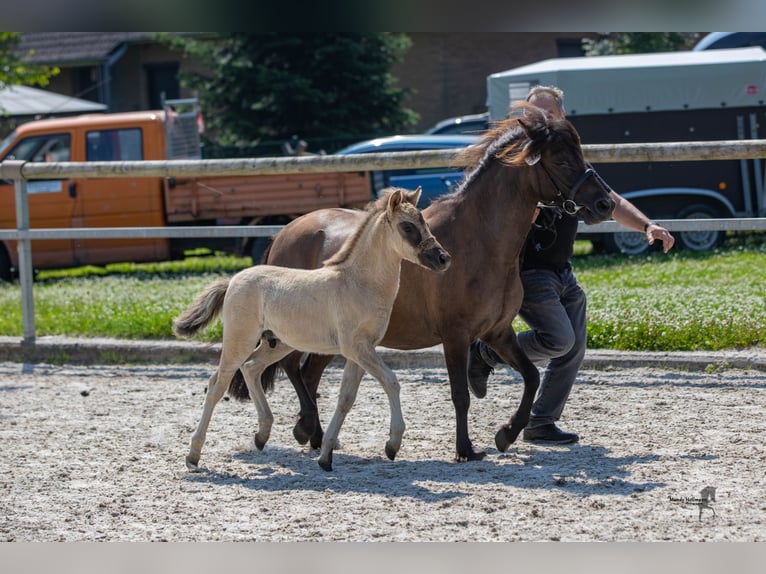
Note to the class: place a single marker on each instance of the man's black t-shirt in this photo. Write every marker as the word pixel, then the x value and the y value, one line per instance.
pixel 550 242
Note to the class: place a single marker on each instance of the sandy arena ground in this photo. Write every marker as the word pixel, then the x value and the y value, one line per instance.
pixel 97 454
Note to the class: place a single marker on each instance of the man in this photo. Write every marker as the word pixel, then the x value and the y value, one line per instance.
pixel 554 303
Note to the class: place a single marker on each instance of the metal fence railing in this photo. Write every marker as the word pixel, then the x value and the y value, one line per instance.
pixel 21 172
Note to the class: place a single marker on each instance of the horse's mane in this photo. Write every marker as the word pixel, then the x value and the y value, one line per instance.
pixel 523 134
pixel 373 209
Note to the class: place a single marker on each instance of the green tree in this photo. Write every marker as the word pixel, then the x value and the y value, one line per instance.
pixel 14 70
pixel 271 86
pixel 639 43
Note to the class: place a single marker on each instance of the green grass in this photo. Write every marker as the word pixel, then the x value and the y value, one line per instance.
pixel 678 301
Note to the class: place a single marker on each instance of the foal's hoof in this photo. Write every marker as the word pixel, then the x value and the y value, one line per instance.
pixel 259 443
pixel 390 452
pixel 506 436
pixel 326 464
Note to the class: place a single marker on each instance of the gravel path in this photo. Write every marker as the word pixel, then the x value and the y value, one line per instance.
pixel 96 453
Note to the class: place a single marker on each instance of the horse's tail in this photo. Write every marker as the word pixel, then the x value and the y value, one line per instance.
pixel 206 307
pixel 238 387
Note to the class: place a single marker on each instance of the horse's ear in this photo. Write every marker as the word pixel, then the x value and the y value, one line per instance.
pixel 414 196
pixel 532 159
pixel 523 125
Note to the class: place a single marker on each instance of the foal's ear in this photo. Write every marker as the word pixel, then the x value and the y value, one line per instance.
pixel 414 196
pixel 395 199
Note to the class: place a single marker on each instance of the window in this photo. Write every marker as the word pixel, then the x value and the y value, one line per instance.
pixel 114 145
pixel 53 147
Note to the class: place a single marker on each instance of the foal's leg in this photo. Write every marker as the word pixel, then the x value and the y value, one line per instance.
pixel 368 359
pixel 216 388
pixel 261 358
pixel 352 375
pixel 237 347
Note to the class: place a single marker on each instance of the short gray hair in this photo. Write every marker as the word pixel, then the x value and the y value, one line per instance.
pixel 556 93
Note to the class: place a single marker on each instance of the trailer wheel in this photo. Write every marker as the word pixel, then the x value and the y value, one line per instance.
pixel 625 242
pixel 5 266
pixel 704 239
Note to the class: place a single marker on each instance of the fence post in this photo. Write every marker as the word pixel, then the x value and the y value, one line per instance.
pixel 24 245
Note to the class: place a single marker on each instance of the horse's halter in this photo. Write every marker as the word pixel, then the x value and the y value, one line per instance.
pixel 568 203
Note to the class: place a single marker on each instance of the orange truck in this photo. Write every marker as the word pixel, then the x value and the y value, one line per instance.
pixel 170 133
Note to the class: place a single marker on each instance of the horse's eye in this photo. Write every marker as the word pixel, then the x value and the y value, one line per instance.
pixel 408 227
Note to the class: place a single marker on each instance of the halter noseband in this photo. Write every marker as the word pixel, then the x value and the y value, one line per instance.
pixel 568 204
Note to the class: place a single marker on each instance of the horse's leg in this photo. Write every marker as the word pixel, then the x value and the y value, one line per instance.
pixel 308 417
pixel 456 359
pixel 369 360
pixel 508 349
pixel 263 356
pixel 311 375
pixel 352 375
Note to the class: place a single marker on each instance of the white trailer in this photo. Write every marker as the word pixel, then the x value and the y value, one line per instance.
pixel 675 96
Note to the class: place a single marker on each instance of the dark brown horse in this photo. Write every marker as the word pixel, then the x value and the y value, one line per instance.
pixel 525 159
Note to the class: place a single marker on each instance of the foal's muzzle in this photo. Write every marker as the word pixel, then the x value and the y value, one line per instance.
pixel 435 258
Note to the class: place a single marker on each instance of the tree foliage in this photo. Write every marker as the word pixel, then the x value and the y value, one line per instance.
pixel 14 70
pixel 639 43
pixel 267 86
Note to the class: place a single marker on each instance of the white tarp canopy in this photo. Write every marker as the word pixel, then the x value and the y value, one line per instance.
pixel 639 82
pixel 27 101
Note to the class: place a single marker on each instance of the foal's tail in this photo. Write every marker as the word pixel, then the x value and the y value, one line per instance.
pixel 203 311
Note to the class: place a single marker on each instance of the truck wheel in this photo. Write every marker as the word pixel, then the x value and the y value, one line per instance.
pixel 626 242
pixel 701 240
pixel 5 266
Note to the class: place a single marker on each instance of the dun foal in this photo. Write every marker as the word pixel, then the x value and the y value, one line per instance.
pixel 341 308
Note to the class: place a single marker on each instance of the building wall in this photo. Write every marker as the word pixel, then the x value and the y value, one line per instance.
pixel 448 71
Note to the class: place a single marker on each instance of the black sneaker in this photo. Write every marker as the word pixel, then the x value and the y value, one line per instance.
pixel 550 434
pixel 478 371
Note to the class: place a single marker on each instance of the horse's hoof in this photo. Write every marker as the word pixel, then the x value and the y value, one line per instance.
pixel 316 440
pixel 390 452
pixel 470 455
pixel 506 436
pixel 300 435
pixel 191 463
pixel 259 444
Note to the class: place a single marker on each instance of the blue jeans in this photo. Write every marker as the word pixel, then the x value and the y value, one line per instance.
pixel 554 308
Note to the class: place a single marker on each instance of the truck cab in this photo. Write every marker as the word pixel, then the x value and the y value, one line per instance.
pixel 74 203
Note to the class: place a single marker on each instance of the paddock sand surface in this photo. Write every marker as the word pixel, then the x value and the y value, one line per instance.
pixel 96 453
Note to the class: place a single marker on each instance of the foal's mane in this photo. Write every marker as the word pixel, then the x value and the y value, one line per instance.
pixel 523 134
pixel 373 209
